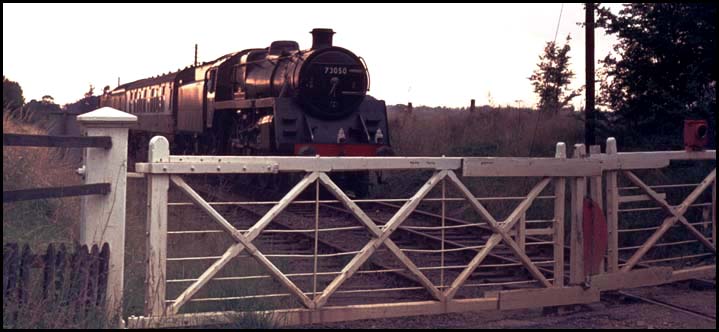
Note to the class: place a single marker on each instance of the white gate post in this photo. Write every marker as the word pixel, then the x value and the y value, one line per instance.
pixel 157 187
pixel 103 216
pixel 579 191
pixel 612 212
pixel 560 185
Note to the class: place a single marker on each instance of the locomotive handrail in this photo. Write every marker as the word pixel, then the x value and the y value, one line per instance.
pixel 366 69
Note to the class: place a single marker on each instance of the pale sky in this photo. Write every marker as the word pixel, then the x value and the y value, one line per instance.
pixel 429 54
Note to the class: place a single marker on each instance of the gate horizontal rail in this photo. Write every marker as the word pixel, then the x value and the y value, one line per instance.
pixel 236 164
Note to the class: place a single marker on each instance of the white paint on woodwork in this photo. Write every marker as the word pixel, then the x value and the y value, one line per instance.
pixel 103 216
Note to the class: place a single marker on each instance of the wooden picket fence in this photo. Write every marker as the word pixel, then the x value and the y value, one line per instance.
pixel 67 283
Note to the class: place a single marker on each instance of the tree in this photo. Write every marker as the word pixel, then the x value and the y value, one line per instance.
pixel 11 94
pixel 552 78
pixel 48 99
pixel 664 70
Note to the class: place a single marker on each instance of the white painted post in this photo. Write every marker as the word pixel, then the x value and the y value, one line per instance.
pixel 596 193
pixel 103 216
pixel 579 190
pixel 612 212
pixel 156 234
pixel 521 237
pixel 559 197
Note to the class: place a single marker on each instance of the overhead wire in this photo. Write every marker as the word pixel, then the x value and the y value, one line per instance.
pixel 536 121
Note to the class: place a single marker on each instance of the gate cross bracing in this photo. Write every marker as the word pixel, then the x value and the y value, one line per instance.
pixel 164 168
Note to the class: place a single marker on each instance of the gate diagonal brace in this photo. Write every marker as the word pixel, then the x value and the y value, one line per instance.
pixel 380 237
pixel 500 234
pixel 677 214
pixel 242 241
pixel 377 233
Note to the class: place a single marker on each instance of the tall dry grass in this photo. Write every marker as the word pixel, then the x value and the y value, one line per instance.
pixel 486 132
pixel 37 222
pixel 495 132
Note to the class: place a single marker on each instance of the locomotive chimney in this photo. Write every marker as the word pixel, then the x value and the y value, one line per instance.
pixel 321 38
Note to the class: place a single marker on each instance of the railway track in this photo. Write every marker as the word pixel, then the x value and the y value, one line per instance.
pixel 667 305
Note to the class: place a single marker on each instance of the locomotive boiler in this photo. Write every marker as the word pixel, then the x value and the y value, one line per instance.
pixel 277 100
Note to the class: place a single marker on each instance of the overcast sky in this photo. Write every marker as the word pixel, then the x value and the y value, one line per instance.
pixel 429 54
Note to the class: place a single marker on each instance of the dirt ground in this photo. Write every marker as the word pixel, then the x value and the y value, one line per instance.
pixel 610 313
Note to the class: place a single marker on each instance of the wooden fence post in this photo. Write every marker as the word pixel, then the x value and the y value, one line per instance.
pixel 559 197
pixel 103 216
pixel 579 190
pixel 597 194
pixel 612 212
pixel 157 187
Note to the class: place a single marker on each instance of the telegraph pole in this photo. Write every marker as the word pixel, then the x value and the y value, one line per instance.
pixel 589 110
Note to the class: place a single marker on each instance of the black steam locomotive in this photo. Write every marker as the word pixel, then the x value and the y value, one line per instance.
pixel 278 100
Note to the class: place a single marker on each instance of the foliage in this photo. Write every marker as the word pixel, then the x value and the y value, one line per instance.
pixel 45 105
pixel 11 94
pixel 551 79
pixel 664 71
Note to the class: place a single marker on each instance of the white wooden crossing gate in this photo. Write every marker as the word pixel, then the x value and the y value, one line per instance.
pixel 510 236
pixel 686 251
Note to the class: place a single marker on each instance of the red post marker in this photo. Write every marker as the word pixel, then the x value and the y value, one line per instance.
pixel 595 236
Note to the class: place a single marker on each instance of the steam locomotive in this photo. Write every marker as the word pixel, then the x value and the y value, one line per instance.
pixel 277 100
